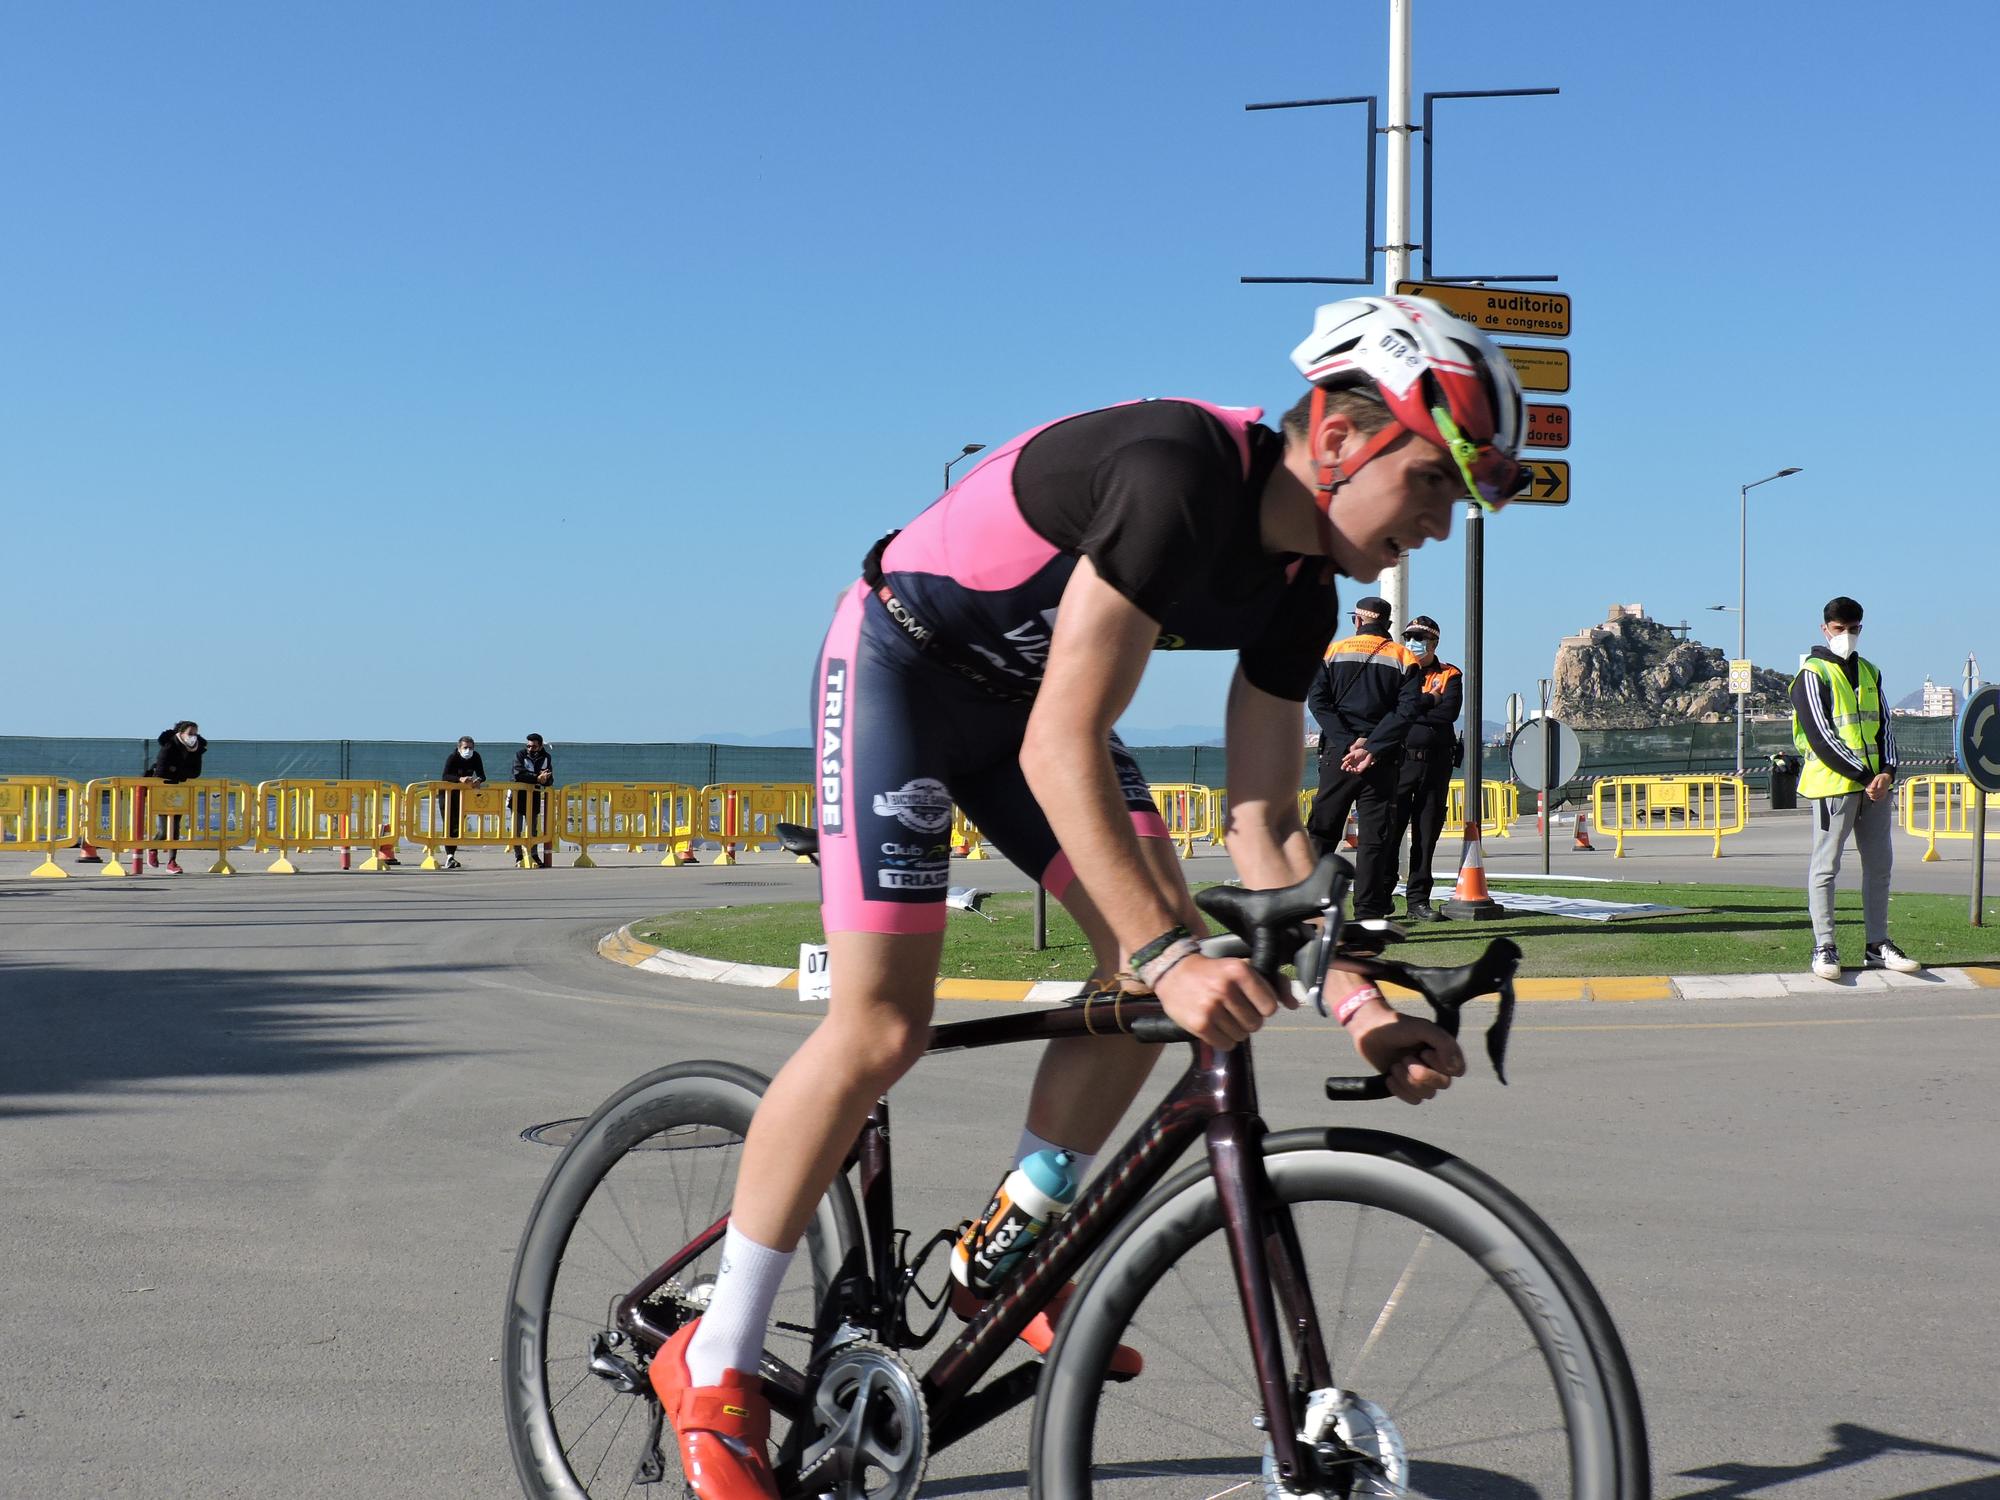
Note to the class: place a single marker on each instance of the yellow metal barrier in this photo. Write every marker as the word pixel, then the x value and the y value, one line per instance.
pixel 1948 808
pixel 38 815
pixel 1499 807
pixel 1668 807
pixel 495 815
pixel 748 813
pixel 632 813
pixel 292 816
pixel 1189 812
pixel 966 842
pixel 135 814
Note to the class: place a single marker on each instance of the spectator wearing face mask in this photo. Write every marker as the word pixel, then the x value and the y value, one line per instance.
pixel 178 759
pixel 1841 727
pixel 533 766
pixel 461 765
pixel 1429 753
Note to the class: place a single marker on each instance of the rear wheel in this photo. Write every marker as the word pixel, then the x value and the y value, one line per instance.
pixel 646 1175
pixel 1466 1352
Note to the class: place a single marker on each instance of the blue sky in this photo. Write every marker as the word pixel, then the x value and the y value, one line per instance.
pixel 377 370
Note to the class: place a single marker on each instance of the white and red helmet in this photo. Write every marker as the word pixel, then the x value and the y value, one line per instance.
pixel 1440 378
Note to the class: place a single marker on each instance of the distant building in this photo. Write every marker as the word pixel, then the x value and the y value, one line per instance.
pixel 1939 699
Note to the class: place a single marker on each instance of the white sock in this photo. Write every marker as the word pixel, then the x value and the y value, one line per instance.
pixel 1031 1143
pixel 731 1335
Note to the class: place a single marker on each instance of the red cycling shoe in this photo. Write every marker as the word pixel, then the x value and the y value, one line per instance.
pixel 723 1428
pixel 1126 1362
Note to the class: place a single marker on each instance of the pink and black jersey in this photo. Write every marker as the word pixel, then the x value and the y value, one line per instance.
pixel 927 676
pixel 1163 497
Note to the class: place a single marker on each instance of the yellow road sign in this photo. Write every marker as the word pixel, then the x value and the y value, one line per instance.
pixel 1539 369
pixel 1548 483
pixel 1503 309
pixel 1739 676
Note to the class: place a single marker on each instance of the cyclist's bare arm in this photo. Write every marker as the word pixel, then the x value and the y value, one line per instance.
pixel 1101 644
pixel 1266 840
pixel 1266 760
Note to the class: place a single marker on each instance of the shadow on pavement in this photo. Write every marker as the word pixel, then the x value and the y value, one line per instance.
pixel 1850 1445
pixel 72 1029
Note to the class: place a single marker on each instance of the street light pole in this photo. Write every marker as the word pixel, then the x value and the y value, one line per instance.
pixel 964 453
pixel 1743 589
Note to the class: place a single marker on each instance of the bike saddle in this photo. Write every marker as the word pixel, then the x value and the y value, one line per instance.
pixel 798 839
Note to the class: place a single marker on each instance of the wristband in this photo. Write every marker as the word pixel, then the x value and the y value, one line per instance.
pixel 1154 970
pixel 1344 1012
pixel 1147 953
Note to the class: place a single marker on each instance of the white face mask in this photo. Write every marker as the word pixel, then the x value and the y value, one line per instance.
pixel 1841 645
pixel 190 740
pixel 464 753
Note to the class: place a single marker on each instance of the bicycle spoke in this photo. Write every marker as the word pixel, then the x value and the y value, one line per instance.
pixel 1389 1305
pixel 612 1444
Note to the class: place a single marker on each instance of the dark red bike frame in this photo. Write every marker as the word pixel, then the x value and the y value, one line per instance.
pixel 1215 1098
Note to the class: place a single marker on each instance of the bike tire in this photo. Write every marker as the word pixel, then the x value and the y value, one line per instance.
pixel 707 1101
pixel 1419 1191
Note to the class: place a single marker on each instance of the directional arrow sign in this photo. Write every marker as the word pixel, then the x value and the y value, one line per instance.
pixel 1548 426
pixel 1979 738
pixel 1539 369
pixel 1548 483
pixel 1539 315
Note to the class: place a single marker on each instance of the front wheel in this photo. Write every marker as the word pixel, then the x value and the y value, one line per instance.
pixel 647 1175
pixel 1465 1352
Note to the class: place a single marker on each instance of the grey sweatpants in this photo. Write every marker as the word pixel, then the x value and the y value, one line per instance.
pixel 1833 819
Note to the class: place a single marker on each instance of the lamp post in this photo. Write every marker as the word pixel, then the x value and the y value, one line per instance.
pixel 964 453
pixel 1743 588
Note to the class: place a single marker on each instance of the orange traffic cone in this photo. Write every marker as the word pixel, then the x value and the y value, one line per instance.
pixel 1353 835
pixel 89 856
pixel 1582 840
pixel 1471 900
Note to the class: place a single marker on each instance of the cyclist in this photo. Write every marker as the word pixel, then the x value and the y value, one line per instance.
pixel 984 657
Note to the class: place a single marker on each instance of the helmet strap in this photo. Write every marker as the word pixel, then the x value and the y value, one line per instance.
pixel 1329 477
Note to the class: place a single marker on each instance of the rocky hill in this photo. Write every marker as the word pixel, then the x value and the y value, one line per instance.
pixel 1636 673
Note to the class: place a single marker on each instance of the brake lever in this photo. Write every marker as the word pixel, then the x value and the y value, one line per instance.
pixel 1492 973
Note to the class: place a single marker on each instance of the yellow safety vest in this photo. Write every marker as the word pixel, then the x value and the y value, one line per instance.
pixel 1857 720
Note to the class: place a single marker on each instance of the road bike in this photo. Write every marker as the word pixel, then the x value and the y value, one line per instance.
pixel 1320 1312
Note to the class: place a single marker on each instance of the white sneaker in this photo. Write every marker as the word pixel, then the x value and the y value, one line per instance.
pixel 1826 963
pixel 451 862
pixel 1886 955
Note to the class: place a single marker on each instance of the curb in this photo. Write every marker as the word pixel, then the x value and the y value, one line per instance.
pixel 623 948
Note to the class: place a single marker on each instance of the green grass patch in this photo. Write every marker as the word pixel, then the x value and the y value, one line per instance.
pixel 1734 930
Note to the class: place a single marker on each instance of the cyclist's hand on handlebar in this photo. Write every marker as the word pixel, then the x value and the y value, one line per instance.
pixel 1418 1057
pixel 1219 1000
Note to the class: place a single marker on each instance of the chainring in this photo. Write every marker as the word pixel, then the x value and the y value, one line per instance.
pixel 869 1437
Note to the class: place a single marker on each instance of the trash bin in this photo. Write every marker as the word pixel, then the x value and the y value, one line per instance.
pixel 1784 781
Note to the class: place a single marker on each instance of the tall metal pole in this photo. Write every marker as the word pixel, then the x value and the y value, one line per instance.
pixel 1742 604
pixel 1475 737
pixel 1394 584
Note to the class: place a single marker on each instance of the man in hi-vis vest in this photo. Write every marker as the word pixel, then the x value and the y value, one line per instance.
pixel 1841 729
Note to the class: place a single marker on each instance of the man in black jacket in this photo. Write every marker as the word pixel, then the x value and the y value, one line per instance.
pixel 533 766
pixel 1366 694
pixel 1429 753
pixel 178 759
pixel 463 767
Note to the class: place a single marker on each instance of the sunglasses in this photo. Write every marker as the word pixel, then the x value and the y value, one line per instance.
pixel 1491 476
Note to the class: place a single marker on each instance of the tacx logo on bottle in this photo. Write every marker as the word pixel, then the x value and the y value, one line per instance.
pixel 832 744
pixel 922 804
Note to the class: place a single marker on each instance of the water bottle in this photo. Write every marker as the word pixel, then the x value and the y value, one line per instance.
pixel 1028 1199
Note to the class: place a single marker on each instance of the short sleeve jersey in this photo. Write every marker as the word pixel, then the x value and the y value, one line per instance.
pixel 1164 498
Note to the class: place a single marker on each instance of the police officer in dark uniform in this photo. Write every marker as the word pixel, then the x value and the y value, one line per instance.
pixel 1429 753
pixel 1368 691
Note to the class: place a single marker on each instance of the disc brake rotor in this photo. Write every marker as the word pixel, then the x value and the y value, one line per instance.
pixel 1351 1430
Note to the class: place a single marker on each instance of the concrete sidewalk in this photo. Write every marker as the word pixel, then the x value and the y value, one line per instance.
pixel 621 947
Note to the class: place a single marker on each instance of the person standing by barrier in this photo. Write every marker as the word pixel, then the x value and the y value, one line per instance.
pixel 178 759
pixel 461 765
pixel 1365 696
pixel 533 766
pixel 1840 726
pixel 1429 754
pixel 983 658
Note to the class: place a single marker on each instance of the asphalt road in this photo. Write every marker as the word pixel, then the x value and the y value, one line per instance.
pixel 263 1179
